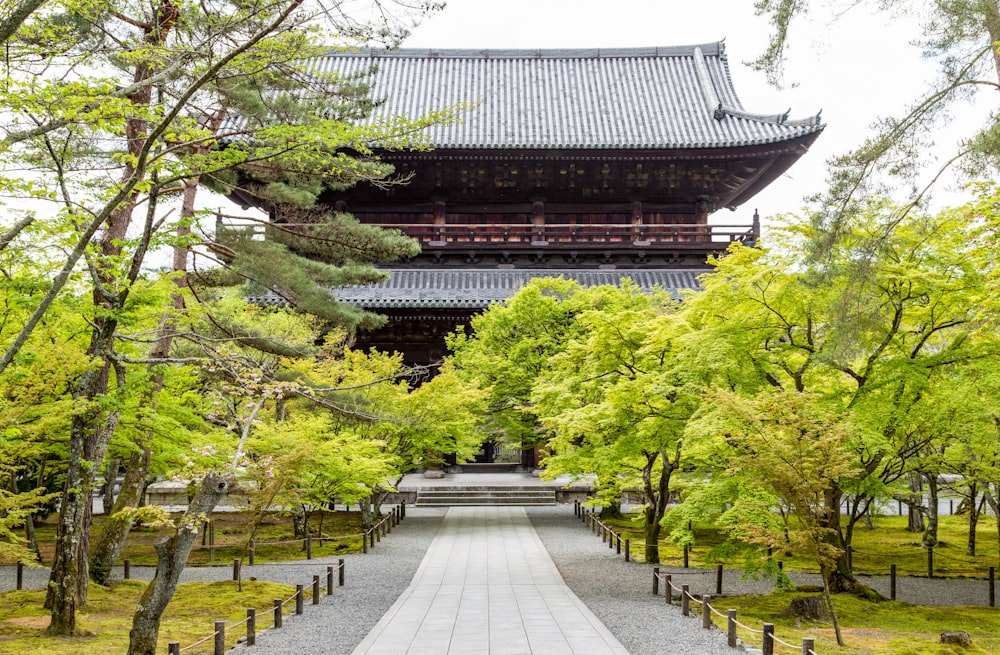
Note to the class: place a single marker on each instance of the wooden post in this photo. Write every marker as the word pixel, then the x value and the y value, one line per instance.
pixel 618 544
pixel 251 626
pixel 402 509
pixel 309 546
pixel 656 580
pixel 315 590
pixel 329 581
pixel 706 612
pixel 930 561
pixel 371 536
pixel 718 580
pixel 628 550
pixel 892 582
pixel 277 612
pixel 340 572
pixel 685 600
pixel 668 590
pixel 236 570
pixel 364 543
pixel 299 600
pixel 807 645
pixel 768 643
pixel 20 576
pixel 253 550
pixel 993 586
pixel 220 638
pixel 611 539
pixel 951 507
pixel 731 628
pixel 126 569
pixel 686 550
pixel 174 648
pixel 211 541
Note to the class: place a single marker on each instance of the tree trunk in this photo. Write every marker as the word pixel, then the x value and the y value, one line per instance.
pixel 974 509
pixel 841 577
pixel 914 506
pixel 931 534
pixel 300 523
pixel 111 542
pixel 110 475
pixel 172 555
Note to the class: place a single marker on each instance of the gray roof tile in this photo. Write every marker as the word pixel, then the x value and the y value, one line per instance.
pixel 655 98
pixel 477 289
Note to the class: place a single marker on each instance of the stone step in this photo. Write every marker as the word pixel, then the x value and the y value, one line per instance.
pixel 492 496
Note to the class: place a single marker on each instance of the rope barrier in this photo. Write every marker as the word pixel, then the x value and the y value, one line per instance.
pixel 200 642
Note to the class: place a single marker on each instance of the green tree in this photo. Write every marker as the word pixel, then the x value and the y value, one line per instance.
pixel 615 403
pixel 766 320
pixel 509 347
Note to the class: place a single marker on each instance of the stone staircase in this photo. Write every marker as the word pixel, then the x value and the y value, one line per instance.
pixel 507 495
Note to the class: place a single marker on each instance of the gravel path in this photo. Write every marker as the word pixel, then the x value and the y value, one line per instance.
pixel 619 593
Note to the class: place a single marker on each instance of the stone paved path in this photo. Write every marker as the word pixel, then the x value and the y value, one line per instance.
pixel 487 585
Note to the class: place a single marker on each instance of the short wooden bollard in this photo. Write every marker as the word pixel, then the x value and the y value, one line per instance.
pixel 236 570
pixel 402 510
pixel 277 612
pixel 767 645
pixel 299 599
pixel 340 572
pixel 892 582
pixel 706 612
pixel 315 590
pixel 220 638
pixel 251 626
pixel 126 569
pixel 20 576
pixel 309 546
pixel 364 543
pixel 685 600
pixel 808 644
pixel 618 544
pixel 372 537
pixel 174 648
pixel 930 561
pixel 668 590
pixel 718 580
pixel 993 586
pixel 687 551
pixel 253 550
pixel 611 539
pixel 329 581
pixel 731 628
pixel 211 541
pixel 656 580
pixel 628 550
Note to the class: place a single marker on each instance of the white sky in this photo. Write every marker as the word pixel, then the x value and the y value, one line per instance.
pixel 854 69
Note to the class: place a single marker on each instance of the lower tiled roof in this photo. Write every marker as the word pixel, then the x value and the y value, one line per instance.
pixel 477 289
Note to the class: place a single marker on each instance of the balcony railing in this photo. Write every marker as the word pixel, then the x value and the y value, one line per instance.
pixel 534 236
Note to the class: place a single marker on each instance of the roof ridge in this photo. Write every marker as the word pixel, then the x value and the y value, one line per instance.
pixel 716 48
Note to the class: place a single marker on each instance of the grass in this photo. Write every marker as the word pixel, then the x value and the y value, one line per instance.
pixel 887 628
pixel 107 618
pixel 874 549
pixel 275 540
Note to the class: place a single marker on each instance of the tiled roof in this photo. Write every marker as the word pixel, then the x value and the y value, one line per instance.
pixel 637 98
pixel 477 289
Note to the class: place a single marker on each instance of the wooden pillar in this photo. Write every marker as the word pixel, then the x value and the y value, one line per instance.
pixel 440 212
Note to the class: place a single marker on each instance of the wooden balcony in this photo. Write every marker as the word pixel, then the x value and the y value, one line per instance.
pixel 558 236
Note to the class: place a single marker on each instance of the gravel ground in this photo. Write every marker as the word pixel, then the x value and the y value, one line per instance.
pixel 619 593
